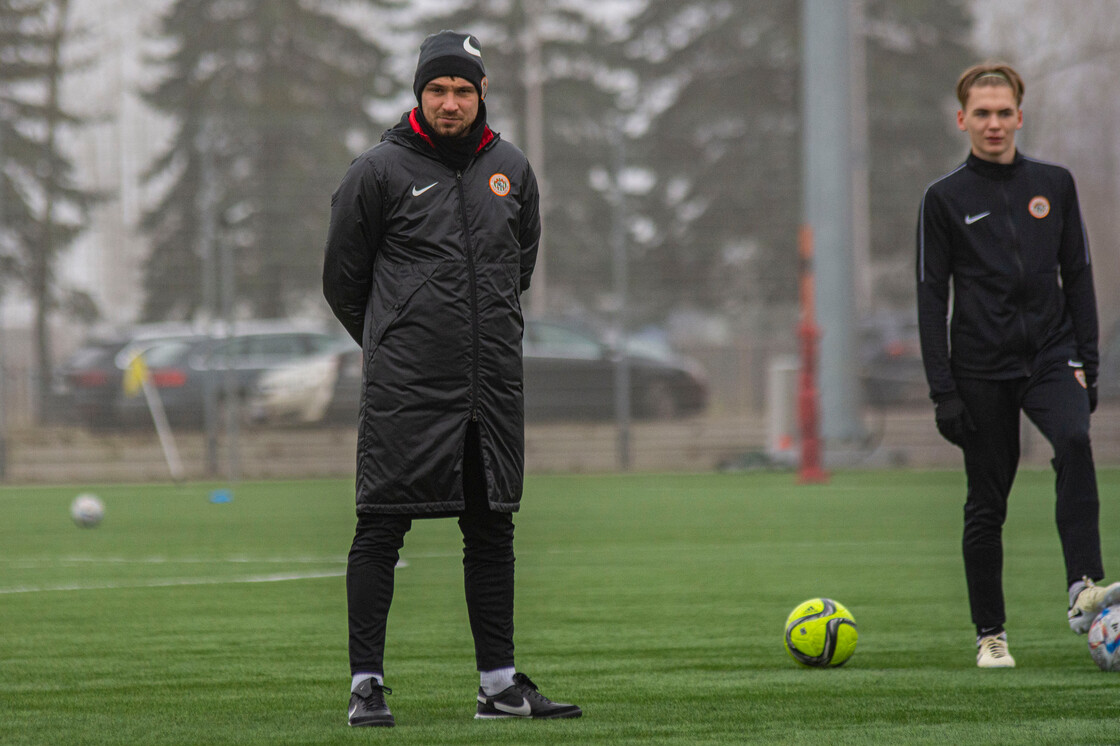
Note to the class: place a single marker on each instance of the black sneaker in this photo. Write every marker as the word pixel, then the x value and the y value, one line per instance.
pixel 522 700
pixel 367 705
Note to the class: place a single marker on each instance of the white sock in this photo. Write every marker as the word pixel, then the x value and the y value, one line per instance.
pixel 360 677
pixel 1075 590
pixel 496 681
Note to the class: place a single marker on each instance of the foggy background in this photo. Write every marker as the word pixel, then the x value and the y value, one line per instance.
pixel 146 142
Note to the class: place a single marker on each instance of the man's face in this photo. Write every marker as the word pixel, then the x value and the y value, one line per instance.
pixel 990 119
pixel 450 105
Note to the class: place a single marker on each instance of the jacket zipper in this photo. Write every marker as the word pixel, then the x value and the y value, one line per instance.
pixel 474 296
pixel 1017 253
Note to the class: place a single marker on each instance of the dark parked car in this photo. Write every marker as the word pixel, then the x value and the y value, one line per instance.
pixel 182 370
pixel 1108 378
pixel 179 366
pixel 89 382
pixel 569 374
pixel 891 360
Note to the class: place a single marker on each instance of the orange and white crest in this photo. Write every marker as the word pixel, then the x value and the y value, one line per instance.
pixel 499 184
pixel 1039 207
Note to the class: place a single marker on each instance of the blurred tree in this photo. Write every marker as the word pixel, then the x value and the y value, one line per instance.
pixel 42 209
pixel 267 94
pixel 720 86
pixel 1068 54
pixel 726 146
pixel 916 49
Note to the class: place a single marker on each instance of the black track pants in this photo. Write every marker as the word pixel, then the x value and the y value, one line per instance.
pixel 1058 406
pixel 488 565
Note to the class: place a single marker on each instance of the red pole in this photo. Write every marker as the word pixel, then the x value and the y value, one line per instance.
pixel 808 416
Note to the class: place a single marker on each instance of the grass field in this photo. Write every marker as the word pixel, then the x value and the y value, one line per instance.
pixel 656 602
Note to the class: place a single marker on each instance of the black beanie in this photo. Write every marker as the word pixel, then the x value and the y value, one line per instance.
pixel 450 53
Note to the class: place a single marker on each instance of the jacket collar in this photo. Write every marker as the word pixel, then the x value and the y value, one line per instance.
pixel 990 170
pixel 417 129
pixel 408 130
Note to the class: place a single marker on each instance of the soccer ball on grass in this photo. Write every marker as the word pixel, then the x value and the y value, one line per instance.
pixel 87 510
pixel 821 633
pixel 1104 639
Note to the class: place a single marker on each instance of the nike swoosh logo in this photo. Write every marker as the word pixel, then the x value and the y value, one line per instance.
pixel 417 192
pixel 522 710
pixel 471 49
pixel 1075 364
pixel 970 219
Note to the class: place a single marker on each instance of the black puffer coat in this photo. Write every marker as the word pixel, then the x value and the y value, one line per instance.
pixel 424 267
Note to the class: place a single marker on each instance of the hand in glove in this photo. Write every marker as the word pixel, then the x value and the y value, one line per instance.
pixel 953 420
pixel 1092 389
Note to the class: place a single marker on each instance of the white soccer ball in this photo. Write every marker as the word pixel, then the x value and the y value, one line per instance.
pixel 1104 639
pixel 87 510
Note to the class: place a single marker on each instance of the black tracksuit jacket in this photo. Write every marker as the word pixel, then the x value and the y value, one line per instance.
pixel 1011 239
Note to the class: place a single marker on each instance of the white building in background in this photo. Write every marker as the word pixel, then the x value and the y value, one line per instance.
pixel 112 152
pixel 110 156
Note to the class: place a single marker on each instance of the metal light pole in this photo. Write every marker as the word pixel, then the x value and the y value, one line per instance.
pixel 3 344
pixel 621 274
pixel 206 205
pixel 534 149
pixel 3 378
pixel 827 167
pixel 232 396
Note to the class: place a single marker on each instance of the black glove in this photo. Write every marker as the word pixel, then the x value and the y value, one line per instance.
pixel 1091 388
pixel 953 419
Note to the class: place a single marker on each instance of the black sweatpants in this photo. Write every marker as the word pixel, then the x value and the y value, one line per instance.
pixel 1059 407
pixel 488 563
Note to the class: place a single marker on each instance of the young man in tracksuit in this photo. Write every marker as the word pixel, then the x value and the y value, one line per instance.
pixel 433 238
pixel 1004 232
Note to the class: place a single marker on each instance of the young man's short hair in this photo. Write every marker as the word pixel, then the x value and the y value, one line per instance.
pixel 989 73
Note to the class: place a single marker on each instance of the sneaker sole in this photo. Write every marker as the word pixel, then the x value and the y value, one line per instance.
pixel 504 716
pixel 373 722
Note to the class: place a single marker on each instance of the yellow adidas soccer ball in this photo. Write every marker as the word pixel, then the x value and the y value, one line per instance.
pixel 821 633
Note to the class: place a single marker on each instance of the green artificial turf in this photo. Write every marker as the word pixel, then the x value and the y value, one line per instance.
pixel 656 602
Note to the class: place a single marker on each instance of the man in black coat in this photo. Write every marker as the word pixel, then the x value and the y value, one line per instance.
pixel 1006 231
pixel 433 237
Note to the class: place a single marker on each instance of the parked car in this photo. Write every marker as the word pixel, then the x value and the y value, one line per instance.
pixel 891 366
pixel 182 370
pixel 89 382
pixel 1108 377
pixel 569 374
pixel 181 365
pixel 323 388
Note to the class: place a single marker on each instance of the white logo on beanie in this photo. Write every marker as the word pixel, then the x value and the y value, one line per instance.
pixel 471 49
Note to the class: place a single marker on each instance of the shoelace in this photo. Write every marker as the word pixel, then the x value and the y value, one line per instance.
pixel 995 647
pixel 529 689
pixel 373 694
pixel 1089 586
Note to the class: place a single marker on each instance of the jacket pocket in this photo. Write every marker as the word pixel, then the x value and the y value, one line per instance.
pixel 393 286
pixel 513 273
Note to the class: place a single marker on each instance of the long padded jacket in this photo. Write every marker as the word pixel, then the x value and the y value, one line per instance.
pixel 424 267
pixel 1011 239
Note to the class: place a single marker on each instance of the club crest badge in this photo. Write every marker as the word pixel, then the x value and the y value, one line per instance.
pixel 1039 207
pixel 499 184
